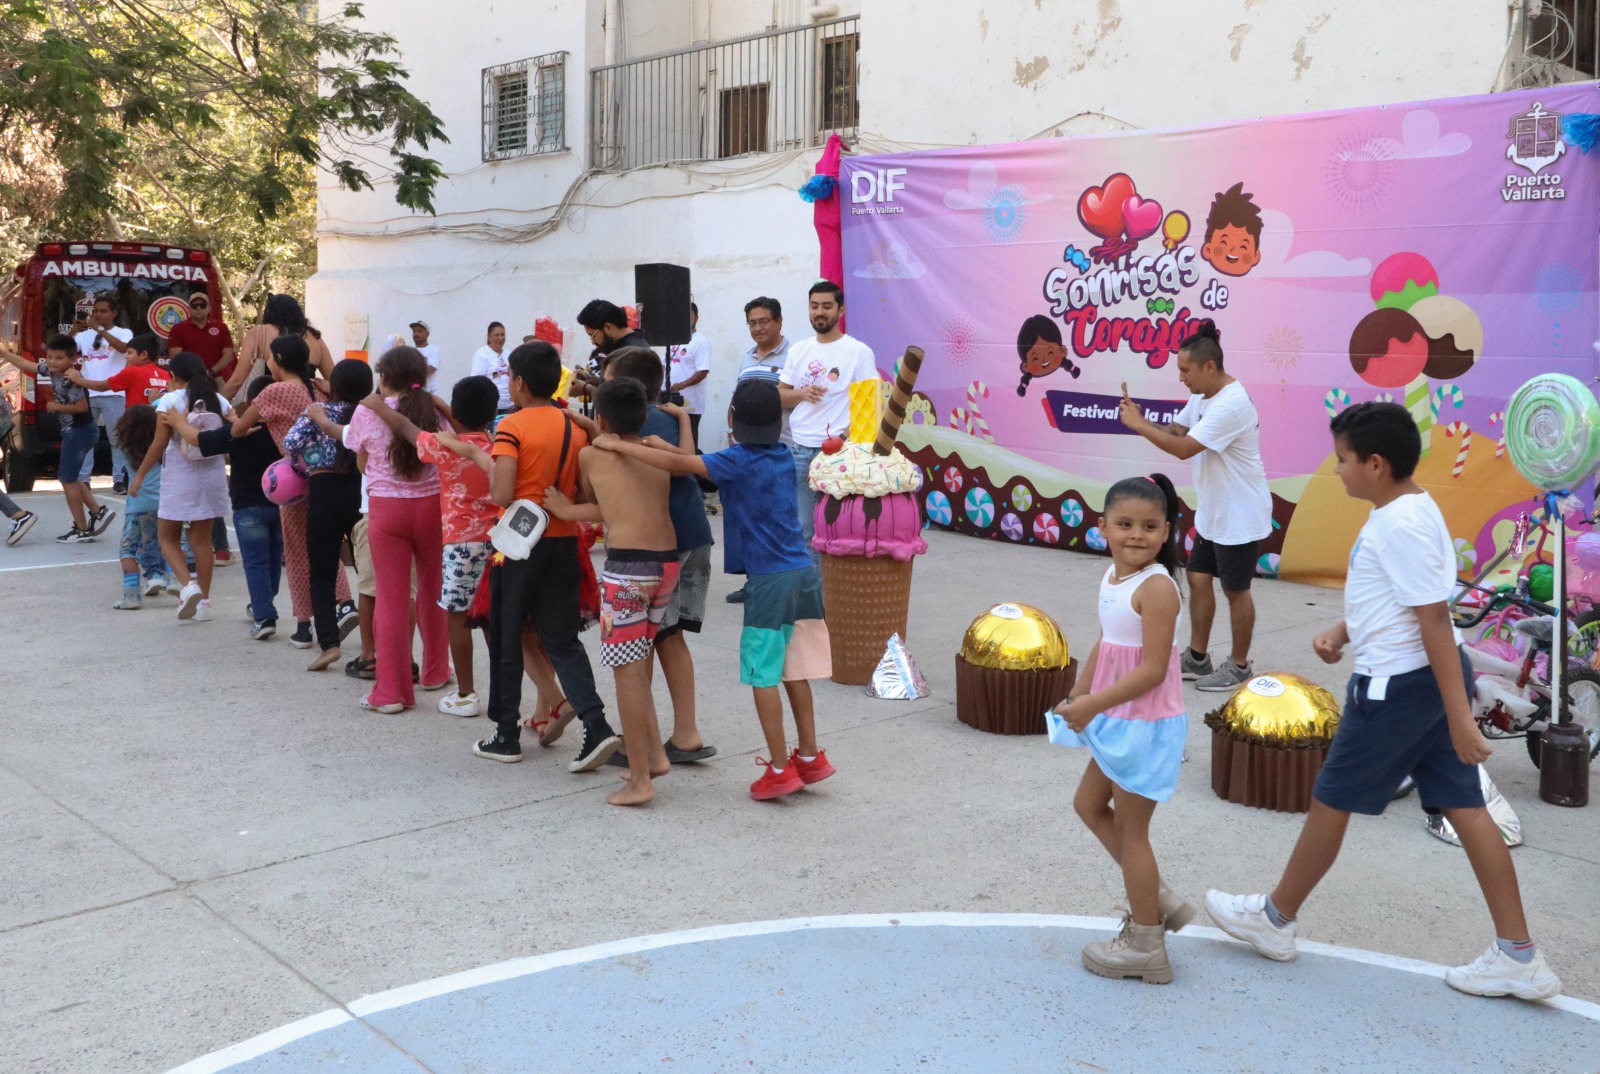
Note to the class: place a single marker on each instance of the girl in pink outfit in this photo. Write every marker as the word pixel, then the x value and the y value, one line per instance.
pixel 1132 720
pixel 404 527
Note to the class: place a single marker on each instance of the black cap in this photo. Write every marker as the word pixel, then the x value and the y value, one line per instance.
pixel 757 413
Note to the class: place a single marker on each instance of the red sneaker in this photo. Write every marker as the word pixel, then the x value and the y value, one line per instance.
pixel 775 784
pixel 811 771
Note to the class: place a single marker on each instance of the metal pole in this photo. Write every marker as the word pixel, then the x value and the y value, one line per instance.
pixel 1558 652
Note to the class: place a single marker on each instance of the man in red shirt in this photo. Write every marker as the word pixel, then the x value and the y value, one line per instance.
pixel 211 342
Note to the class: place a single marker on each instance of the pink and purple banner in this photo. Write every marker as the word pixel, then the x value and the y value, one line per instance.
pixel 1438 254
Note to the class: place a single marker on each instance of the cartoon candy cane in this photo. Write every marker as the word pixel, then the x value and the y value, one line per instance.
pixel 1451 392
pixel 1336 400
pixel 1499 418
pixel 977 426
pixel 1459 428
pixel 959 420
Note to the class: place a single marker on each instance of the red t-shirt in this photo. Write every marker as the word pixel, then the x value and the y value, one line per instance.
pixel 140 383
pixel 469 510
pixel 208 342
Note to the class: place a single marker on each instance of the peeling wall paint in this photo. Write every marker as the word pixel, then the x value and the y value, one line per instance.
pixel 1237 39
pixel 1028 73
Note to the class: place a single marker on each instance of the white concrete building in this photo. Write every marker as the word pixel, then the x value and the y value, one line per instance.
pixel 592 135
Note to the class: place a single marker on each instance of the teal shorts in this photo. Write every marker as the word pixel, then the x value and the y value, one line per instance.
pixel 784 636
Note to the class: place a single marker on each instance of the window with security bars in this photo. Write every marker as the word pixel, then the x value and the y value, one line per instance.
pixel 1563 38
pixel 841 110
pixel 524 107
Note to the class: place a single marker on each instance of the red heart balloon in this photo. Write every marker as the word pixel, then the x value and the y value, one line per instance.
pixel 1100 207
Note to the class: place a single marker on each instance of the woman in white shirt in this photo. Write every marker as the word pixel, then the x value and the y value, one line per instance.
pixel 491 361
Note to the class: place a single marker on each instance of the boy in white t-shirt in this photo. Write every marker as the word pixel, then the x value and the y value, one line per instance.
pixel 815 388
pixel 1406 712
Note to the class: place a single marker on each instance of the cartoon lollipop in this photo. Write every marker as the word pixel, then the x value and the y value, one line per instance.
pixel 1175 229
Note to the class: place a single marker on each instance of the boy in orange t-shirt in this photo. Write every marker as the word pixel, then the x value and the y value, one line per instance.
pixel 536 448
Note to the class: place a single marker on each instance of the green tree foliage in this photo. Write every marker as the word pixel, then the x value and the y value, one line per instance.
pixel 201 122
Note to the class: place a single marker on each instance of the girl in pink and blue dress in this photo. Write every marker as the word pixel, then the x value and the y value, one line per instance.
pixel 1132 720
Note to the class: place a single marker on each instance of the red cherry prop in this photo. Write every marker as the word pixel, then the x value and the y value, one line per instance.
pixel 833 445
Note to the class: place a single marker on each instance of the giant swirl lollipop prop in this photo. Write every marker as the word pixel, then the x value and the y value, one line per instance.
pixel 1553 433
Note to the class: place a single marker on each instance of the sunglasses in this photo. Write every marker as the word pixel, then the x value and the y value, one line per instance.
pixel 199 305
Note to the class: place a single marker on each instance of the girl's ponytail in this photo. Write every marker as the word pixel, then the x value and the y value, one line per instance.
pixel 1170 552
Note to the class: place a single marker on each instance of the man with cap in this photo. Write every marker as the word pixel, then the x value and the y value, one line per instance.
pixel 430 352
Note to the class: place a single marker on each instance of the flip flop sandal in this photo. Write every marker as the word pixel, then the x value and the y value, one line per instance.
pixel 682 756
pixel 551 728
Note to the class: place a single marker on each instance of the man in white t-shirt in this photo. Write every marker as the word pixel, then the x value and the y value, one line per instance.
pixel 815 388
pixel 429 351
pixel 101 346
pixel 1406 713
pixel 1220 430
pixel 688 366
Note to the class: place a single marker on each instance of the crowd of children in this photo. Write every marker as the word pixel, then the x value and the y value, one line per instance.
pixel 416 488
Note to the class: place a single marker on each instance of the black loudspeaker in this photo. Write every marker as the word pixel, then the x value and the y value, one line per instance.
pixel 662 295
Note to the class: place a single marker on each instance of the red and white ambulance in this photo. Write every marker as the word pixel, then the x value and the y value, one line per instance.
pixel 52 292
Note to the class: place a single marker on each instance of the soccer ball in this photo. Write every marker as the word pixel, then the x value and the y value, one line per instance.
pixel 283 484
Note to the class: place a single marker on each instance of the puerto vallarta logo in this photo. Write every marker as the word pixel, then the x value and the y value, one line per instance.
pixel 1536 143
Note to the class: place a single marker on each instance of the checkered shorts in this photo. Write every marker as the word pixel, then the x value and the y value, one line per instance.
pixel 635 589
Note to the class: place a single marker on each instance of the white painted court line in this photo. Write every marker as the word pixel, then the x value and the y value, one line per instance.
pixel 522 967
pixel 68 563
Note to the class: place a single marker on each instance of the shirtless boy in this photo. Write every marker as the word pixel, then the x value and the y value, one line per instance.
pixel 640 572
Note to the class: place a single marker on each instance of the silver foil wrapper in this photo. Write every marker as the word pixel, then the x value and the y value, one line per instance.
pixel 1505 818
pixel 897 677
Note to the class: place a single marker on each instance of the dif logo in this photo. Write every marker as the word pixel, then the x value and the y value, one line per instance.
pixel 872 191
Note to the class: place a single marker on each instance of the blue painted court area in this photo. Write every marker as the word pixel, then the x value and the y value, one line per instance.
pixel 995 994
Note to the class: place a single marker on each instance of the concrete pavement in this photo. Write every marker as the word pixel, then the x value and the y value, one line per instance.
pixel 203 842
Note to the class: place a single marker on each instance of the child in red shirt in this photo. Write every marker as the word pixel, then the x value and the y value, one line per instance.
pixel 141 381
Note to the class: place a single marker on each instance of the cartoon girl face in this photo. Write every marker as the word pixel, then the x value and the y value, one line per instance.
pixel 833 375
pixel 1043 358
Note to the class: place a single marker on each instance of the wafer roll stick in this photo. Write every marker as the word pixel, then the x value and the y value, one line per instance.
pixel 905 379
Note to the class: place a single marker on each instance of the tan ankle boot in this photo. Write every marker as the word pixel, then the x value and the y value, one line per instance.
pixel 1176 911
pixel 1138 951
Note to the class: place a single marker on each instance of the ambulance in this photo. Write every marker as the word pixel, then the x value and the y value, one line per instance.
pixel 51 293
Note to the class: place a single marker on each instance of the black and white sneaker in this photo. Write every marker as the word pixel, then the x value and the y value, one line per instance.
pixel 598 746
pixel 263 630
pixel 20 527
pixel 301 638
pixel 119 487
pixel 75 536
pixel 99 520
pixel 499 749
pixel 349 618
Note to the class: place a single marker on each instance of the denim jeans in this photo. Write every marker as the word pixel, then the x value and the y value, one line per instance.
pixel 8 506
pixel 260 534
pixel 805 497
pixel 107 411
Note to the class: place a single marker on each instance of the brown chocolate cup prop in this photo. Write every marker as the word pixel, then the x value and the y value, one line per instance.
pixel 1003 701
pixel 868 600
pixel 905 378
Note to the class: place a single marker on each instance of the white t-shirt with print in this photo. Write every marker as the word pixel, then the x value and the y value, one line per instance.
pixel 1232 502
pixel 497 367
pixel 684 361
pixel 835 365
pixel 101 361
pixel 431 355
pixel 1403 559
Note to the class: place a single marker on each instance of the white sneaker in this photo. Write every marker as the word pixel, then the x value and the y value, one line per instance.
pixel 455 704
pixel 202 612
pixel 188 600
pixel 155 585
pixel 1496 973
pixel 1244 917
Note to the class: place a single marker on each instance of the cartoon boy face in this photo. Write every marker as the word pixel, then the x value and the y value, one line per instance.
pixel 1043 358
pixel 833 375
pixel 1232 251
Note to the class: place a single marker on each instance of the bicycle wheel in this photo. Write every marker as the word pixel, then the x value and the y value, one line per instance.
pixel 1583 705
pixel 1584 643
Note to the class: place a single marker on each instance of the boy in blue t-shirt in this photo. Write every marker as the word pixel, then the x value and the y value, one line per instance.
pixel 785 639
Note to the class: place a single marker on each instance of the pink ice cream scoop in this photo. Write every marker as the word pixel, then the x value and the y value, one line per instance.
pixel 870 526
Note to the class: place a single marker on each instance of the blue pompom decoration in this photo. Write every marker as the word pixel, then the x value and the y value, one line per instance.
pixel 819 188
pixel 1582 129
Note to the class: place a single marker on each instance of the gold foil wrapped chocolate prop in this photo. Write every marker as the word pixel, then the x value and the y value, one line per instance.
pixel 905 378
pixel 1015 637
pixel 1278 710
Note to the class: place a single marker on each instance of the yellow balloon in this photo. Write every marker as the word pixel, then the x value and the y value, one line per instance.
pixel 1015 637
pixel 1279 709
pixel 1175 228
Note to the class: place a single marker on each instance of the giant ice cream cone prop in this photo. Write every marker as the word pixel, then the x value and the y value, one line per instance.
pixel 868 528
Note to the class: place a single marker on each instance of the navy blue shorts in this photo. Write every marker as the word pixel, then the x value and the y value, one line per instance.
pixel 1379 743
pixel 77 441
